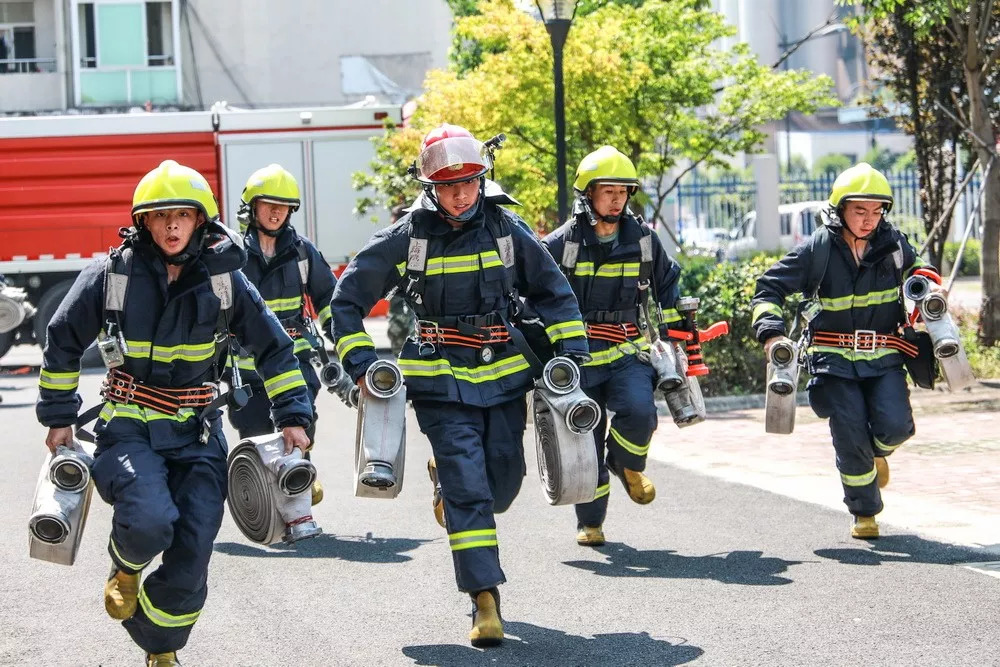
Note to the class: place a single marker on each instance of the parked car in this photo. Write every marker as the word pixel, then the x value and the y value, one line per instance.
pixel 796 222
pixel 705 241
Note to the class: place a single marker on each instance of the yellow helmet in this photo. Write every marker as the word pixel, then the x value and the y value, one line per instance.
pixel 606 165
pixel 173 185
pixel 862 181
pixel 273 183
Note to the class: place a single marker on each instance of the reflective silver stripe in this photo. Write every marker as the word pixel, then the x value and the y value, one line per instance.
pixel 118 554
pixel 222 285
pixel 881 446
pixel 114 291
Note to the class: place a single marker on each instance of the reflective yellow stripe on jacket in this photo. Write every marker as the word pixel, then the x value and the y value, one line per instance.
pixel 59 381
pixel 616 352
pixel 568 329
pixel 140 413
pixel 190 352
pixel 860 300
pixel 487 373
pixel 279 384
pixel 351 341
pixel 852 355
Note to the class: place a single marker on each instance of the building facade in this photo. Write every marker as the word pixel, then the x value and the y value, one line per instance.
pixel 64 54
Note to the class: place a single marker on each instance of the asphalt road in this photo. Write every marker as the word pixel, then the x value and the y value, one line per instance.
pixel 712 573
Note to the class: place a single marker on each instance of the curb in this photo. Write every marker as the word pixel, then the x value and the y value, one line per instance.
pixel 745 402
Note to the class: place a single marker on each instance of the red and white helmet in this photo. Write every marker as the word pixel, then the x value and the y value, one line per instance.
pixel 450 154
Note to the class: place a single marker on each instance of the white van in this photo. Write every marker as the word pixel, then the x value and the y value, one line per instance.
pixel 796 222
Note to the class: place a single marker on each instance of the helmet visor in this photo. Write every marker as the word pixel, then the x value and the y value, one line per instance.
pixel 452 154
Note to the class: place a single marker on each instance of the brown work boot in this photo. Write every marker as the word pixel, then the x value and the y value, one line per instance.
pixel 437 501
pixel 640 488
pixel 864 528
pixel 168 659
pixel 487 626
pixel 120 594
pixel 882 471
pixel 590 536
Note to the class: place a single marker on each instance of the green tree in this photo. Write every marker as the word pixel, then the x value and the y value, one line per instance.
pixel 832 163
pixel 962 38
pixel 649 80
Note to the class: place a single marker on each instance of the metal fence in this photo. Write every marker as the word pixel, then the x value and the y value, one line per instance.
pixel 723 202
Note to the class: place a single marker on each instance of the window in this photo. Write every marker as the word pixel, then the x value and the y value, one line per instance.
pixel 126 52
pixel 17 38
pixel 786 223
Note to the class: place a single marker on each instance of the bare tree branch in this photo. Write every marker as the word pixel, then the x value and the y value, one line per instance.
pixel 794 46
pixel 519 133
pixel 984 25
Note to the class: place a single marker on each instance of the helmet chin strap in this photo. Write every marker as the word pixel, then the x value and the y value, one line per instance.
pixel 190 251
pixel 252 222
pixel 594 217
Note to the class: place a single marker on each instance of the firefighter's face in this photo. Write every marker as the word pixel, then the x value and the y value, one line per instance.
pixel 270 215
pixel 457 198
pixel 172 228
pixel 609 198
pixel 862 217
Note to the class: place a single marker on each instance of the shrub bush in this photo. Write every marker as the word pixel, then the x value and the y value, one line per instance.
pixel 970 258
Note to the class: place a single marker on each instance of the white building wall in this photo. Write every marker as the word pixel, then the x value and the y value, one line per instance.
pixel 266 53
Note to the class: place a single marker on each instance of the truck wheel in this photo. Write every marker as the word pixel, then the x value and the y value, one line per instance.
pixel 6 342
pixel 47 308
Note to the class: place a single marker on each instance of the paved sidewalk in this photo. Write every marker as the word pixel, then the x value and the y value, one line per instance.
pixel 945 481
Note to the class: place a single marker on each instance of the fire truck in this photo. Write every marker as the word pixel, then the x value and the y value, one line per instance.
pixel 66 182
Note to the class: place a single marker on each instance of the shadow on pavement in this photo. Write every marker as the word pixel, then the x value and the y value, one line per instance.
pixel 749 568
pixel 907 549
pixel 357 549
pixel 527 644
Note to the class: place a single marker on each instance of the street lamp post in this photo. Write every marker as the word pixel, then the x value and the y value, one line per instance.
pixel 558 17
pixel 787 49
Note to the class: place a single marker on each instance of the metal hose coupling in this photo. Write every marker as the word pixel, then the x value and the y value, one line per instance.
pixel 336 381
pixel 561 375
pixel 933 307
pixel 70 469
pixel 383 379
pixel 784 368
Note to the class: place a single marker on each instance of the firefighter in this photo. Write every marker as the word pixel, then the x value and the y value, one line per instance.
pixel 607 278
pixel 850 274
pixel 462 263
pixel 291 275
pixel 161 454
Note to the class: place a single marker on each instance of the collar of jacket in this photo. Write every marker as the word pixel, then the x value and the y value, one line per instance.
pixel 883 244
pixel 285 240
pixel 628 230
pixel 435 225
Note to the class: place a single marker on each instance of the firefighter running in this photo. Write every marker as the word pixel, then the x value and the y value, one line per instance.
pixel 600 250
pixel 289 272
pixel 462 263
pixel 854 314
pixel 161 454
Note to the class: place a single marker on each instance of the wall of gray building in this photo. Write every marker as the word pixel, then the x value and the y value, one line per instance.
pixel 266 53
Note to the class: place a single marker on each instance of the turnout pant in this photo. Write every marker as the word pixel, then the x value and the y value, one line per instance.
pixel 170 502
pixel 628 394
pixel 480 461
pixel 868 417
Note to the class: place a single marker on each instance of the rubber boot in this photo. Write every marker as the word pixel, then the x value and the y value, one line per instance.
pixel 590 536
pixel 487 626
pixel 317 492
pixel 864 528
pixel 168 659
pixel 882 471
pixel 639 487
pixel 121 593
pixel 437 501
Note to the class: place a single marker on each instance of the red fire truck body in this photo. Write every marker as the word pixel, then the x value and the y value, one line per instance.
pixel 66 182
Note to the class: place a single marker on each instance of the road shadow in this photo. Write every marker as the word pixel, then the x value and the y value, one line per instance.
pixel 527 644
pixel 748 568
pixel 367 549
pixel 907 549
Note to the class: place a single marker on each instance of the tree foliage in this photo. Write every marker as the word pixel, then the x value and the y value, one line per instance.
pixel 961 40
pixel 648 79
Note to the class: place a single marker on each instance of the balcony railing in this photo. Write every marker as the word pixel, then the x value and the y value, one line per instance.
pixel 27 65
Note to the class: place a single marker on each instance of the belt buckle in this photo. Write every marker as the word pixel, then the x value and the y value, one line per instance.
pixel 868 347
pixel 426 348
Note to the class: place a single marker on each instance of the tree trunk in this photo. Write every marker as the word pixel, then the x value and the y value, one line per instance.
pixel 979 117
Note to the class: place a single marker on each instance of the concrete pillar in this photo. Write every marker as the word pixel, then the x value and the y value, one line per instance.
pixel 765 173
